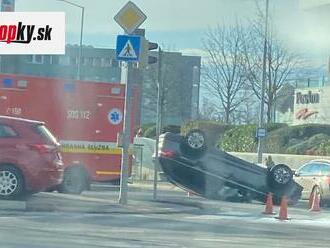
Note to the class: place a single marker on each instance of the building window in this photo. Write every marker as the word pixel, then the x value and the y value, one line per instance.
pixel 47 59
pixel 64 60
pixel 29 58
pixel 73 60
pixel 35 59
pixel 114 63
pixel 88 61
pixel 38 59
pixel 55 60
pixel 97 62
pixel 105 62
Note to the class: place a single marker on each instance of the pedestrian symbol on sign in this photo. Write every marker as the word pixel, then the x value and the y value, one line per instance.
pixel 128 48
pixel 128 51
pixel 115 116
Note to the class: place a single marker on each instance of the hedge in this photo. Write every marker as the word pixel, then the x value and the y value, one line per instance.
pixel 243 138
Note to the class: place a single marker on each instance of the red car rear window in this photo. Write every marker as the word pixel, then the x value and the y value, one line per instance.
pixel 45 134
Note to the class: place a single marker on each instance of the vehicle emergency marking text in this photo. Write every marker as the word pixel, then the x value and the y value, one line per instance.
pixel 14 111
pixel 76 146
pixel 78 115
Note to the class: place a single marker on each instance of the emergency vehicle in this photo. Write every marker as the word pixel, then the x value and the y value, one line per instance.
pixel 85 117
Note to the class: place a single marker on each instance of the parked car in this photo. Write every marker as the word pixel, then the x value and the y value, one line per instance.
pixel 207 171
pixel 30 161
pixel 314 177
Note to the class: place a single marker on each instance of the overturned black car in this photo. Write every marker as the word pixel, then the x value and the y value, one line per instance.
pixel 207 171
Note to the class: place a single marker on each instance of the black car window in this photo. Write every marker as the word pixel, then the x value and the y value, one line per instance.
pixel 310 169
pixel 6 131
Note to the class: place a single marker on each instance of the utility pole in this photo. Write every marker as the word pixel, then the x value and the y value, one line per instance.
pixel 126 67
pixel 159 119
pixel 263 83
pixel 78 76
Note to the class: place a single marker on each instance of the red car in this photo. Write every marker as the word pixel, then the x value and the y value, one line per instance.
pixel 30 161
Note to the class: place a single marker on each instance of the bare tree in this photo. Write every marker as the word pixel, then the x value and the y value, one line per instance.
pixel 280 63
pixel 224 72
pixel 209 111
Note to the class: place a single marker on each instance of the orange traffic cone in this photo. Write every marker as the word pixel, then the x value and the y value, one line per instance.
pixel 269 204
pixel 310 201
pixel 316 203
pixel 283 214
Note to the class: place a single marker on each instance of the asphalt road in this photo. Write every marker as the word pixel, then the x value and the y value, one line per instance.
pixel 219 224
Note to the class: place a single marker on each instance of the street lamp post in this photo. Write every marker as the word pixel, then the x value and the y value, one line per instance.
pixel 263 83
pixel 81 34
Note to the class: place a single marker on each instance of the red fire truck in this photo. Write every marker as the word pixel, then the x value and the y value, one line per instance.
pixel 85 116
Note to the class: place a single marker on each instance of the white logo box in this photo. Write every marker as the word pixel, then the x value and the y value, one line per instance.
pixel 54 22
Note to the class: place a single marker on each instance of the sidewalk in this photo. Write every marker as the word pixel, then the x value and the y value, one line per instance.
pixel 55 202
pixel 139 186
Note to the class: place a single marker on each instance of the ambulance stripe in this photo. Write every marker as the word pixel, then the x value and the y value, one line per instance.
pixel 78 146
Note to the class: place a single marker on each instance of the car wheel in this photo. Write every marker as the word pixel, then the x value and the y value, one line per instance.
pixel 75 181
pixel 194 143
pixel 11 182
pixel 280 176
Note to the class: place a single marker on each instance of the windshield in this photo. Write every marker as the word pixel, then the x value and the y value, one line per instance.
pixel 178 123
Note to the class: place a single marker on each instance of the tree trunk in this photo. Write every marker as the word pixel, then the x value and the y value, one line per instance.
pixel 269 111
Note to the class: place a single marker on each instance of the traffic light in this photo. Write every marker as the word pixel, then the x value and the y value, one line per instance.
pixel 145 58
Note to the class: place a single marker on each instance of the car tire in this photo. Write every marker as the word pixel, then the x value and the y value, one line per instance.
pixel 194 143
pixel 75 181
pixel 279 176
pixel 12 184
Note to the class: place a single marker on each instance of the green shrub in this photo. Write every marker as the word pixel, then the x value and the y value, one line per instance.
pixel 243 138
pixel 311 144
pixel 239 139
pixel 324 148
pixel 150 132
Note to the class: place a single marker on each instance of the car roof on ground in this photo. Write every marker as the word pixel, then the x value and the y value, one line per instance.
pixel 5 118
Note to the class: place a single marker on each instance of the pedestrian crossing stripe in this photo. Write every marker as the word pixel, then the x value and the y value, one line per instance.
pixel 128 51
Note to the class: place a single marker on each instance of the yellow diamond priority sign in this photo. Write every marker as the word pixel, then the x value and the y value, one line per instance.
pixel 130 17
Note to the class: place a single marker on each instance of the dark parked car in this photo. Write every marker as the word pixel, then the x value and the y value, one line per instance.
pixel 190 164
pixel 29 158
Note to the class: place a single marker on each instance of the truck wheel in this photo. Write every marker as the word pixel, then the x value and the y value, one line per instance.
pixel 280 176
pixel 11 183
pixel 194 143
pixel 75 181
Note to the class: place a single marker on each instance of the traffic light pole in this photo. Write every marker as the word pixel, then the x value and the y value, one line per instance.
pixel 159 120
pixel 262 98
pixel 126 67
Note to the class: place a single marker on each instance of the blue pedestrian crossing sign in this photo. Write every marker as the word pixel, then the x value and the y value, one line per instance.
pixel 128 48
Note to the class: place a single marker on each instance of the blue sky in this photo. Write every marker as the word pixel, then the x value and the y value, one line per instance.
pixel 180 24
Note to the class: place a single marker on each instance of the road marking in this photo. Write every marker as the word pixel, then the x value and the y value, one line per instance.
pixel 214 240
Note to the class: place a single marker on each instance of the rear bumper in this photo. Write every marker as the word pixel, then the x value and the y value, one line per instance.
pixel 48 176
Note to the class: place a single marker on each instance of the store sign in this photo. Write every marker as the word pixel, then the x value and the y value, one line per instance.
pixel 311 106
pixel 309 98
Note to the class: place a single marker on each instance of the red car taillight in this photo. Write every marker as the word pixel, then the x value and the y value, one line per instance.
pixel 167 154
pixel 43 148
